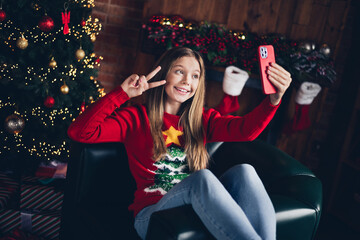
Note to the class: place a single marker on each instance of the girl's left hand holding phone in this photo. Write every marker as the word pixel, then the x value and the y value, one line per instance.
pixel 281 80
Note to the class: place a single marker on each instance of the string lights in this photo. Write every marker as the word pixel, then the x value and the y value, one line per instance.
pixel 46 79
pixel 39 149
pixel 42 149
pixel 86 3
pixel 70 71
pixel 35 36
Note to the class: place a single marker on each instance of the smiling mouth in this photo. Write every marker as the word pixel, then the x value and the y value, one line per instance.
pixel 182 90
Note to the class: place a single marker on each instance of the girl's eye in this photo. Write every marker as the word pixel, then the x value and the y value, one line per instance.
pixel 179 72
pixel 196 76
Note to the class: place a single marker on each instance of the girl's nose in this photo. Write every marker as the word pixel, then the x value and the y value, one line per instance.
pixel 187 80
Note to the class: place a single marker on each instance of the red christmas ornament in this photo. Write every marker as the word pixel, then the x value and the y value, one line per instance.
pixel 65 16
pixel 46 24
pixel 83 23
pixel 97 61
pixel 49 102
pixel 82 107
pixel 2 15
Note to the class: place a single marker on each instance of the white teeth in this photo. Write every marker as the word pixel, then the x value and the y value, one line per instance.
pixel 182 90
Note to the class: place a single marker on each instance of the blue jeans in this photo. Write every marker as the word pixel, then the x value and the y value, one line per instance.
pixel 235 207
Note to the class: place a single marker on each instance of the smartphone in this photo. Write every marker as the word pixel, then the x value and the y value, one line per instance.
pixel 266 56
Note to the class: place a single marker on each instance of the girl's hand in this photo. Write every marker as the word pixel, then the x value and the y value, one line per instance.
pixel 135 85
pixel 281 80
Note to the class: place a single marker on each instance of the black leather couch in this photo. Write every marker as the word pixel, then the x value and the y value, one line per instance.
pixel 100 188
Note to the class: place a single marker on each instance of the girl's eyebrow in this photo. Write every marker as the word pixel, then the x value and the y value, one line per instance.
pixel 179 65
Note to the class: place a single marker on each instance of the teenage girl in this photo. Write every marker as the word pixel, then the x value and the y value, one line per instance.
pixel 165 143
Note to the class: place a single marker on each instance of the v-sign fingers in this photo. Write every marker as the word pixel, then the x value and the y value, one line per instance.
pixel 153 73
pixel 157 84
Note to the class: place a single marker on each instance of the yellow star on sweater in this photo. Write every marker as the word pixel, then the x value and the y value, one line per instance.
pixel 172 136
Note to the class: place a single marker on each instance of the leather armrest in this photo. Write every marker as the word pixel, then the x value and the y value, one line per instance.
pixel 269 161
pixel 301 189
pixel 297 187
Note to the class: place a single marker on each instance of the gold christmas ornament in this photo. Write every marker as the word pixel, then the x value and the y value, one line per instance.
pixel 79 54
pixel 305 47
pixel 325 49
pixel 52 63
pixel 64 89
pixel 14 124
pixel 22 43
pixel 93 37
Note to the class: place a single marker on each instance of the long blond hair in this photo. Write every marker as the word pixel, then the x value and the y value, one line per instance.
pixel 190 113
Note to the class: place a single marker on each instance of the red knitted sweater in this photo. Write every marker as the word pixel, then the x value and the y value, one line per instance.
pixel 106 121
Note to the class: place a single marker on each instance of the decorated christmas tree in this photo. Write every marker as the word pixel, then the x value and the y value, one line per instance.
pixel 48 72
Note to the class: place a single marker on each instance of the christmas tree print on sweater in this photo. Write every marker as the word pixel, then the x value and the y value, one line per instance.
pixel 173 167
pixel 170 170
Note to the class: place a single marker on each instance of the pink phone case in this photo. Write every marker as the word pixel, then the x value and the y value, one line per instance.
pixel 266 56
